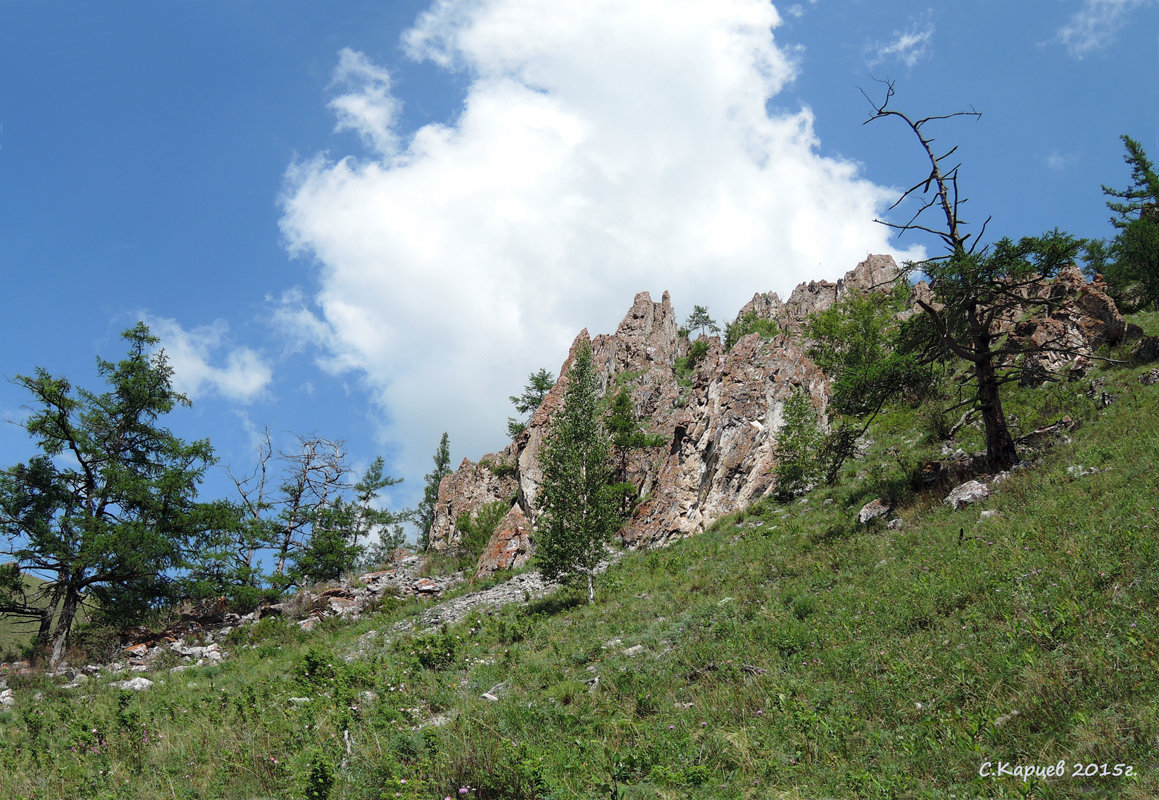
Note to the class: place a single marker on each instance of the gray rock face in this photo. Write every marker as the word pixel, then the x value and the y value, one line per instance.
pixel 875 273
pixel 722 443
pixel 874 509
pixel 468 489
pixel 966 494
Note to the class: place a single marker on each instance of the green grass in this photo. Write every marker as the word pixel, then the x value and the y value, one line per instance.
pixel 785 653
pixel 16 633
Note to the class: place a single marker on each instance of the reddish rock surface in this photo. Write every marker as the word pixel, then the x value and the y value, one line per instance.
pixel 719 422
pixel 510 546
pixel 467 489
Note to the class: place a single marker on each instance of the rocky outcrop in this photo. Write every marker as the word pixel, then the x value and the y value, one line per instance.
pixel 721 452
pixel 719 418
pixel 1081 317
pixel 469 488
pixel 510 546
pixel 875 273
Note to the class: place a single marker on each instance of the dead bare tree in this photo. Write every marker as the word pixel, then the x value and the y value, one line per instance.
pixel 976 289
pixel 316 477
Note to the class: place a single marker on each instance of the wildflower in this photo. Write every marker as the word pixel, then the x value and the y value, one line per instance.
pixel 703 723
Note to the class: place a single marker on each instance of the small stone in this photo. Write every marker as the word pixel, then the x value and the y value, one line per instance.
pixel 634 650
pixel 134 684
pixel 495 692
pixel 989 514
pixel 895 524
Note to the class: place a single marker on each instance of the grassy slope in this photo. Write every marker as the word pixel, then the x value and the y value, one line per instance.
pixel 15 633
pixel 886 664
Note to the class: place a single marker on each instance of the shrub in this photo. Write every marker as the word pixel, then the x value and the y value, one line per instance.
pixel 476 530
pixel 746 324
pixel 798 447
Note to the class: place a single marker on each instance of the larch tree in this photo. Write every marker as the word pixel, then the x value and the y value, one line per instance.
pixel 425 514
pixel 1132 267
pixel 974 287
pixel 539 383
pixel 104 512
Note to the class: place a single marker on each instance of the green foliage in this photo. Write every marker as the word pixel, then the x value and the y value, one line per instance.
pixel 539 383
pixel 434 651
pixel 425 513
pixel 699 320
pixel 108 506
pixel 686 365
pixel 627 434
pixel 337 528
pixel 500 468
pixel 853 341
pixel 579 509
pixel 856 342
pixel 748 323
pixel 1131 263
pixel 318 780
pixel 798 450
pixel 625 428
pixel 476 530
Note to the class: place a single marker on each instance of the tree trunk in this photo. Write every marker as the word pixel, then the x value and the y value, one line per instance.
pixel 591 589
pixel 64 625
pixel 48 614
pixel 1000 450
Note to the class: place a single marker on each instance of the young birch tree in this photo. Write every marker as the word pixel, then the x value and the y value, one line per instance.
pixel 579 506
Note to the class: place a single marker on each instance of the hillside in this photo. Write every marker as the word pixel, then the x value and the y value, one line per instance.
pixel 785 652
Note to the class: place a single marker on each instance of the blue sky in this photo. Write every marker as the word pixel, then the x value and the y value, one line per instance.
pixel 372 220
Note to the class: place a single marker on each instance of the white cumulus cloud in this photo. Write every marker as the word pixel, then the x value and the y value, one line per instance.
pixel 603 148
pixel 1094 25
pixel 909 46
pixel 204 363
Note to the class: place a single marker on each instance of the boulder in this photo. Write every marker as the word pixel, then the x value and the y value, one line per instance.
pixel 1146 351
pixel 874 509
pixel 966 494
